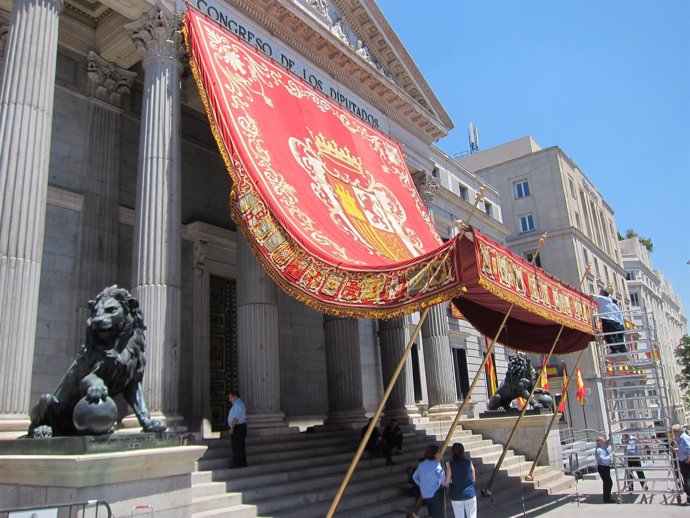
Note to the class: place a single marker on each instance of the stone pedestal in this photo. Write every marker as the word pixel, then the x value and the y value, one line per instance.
pixel 161 478
pixel 527 438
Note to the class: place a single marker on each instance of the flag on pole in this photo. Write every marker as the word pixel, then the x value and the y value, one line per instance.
pixel 580 386
pixel 564 392
pixel 491 376
pixel 544 375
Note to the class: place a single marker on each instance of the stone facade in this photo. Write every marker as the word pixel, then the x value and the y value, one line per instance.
pixel 126 140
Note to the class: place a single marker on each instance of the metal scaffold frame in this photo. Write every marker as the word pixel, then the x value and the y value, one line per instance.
pixel 636 399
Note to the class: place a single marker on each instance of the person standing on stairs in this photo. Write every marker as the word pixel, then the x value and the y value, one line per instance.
pixel 430 477
pixel 237 422
pixel 460 477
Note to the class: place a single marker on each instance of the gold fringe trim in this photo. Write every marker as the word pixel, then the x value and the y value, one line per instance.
pixel 309 300
pixel 532 308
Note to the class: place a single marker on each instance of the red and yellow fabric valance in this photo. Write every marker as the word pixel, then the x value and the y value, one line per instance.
pixel 324 200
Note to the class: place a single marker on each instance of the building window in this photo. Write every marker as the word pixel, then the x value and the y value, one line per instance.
pixel 488 208
pixel 530 255
pixel 578 223
pixel 522 189
pixel 572 187
pixel 526 223
pixel 463 191
pixel 634 299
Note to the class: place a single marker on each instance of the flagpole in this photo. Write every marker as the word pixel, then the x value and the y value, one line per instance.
pixel 529 477
pixel 487 490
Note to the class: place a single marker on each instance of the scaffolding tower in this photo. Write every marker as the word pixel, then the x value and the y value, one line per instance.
pixel 637 404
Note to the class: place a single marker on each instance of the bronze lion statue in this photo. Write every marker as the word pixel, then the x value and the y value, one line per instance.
pixel 110 362
pixel 518 382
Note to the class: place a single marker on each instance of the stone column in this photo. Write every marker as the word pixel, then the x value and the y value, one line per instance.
pixel 344 371
pixel 97 267
pixel 438 359
pixel 258 340
pixel 394 335
pixel 156 265
pixel 27 87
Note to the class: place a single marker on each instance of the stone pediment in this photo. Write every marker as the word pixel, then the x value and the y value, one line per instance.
pixel 353 42
pixel 348 39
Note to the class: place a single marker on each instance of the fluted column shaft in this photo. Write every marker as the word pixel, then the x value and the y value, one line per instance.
pixel 394 336
pixel 157 228
pixel 99 215
pixel 344 369
pixel 258 346
pixel 27 88
pixel 438 360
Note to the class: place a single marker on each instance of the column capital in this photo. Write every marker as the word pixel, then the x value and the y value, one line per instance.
pixel 157 37
pixel 427 186
pixel 107 81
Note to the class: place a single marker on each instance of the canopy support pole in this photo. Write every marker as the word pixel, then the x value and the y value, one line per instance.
pixel 480 370
pixel 377 414
pixel 487 490
pixel 530 476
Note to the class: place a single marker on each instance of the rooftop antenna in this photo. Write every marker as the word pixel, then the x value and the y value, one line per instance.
pixel 474 138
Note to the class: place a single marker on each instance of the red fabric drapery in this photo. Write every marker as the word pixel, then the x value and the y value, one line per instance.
pixel 329 208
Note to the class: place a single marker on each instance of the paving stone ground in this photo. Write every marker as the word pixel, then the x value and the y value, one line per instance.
pixel 584 500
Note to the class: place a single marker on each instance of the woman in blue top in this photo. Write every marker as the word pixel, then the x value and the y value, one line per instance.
pixel 430 477
pixel 461 476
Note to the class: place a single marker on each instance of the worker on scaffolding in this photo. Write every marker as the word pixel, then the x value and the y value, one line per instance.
pixel 612 321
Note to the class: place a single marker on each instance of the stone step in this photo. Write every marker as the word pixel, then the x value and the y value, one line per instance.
pixel 211 502
pixel 208 489
pixel 236 511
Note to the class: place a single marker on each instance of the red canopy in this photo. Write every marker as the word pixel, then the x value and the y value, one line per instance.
pixel 499 281
pixel 326 201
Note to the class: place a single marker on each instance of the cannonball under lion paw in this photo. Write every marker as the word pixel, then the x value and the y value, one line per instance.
pixel 95 418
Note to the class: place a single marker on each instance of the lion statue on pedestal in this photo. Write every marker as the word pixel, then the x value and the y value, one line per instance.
pixel 110 362
pixel 518 382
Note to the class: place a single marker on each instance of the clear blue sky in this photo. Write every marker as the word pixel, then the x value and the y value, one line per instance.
pixel 606 80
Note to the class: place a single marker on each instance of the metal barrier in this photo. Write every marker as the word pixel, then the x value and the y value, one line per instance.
pixel 88 509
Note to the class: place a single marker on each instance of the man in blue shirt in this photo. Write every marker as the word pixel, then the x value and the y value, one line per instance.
pixel 604 459
pixel 612 321
pixel 633 459
pixel 682 450
pixel 237 422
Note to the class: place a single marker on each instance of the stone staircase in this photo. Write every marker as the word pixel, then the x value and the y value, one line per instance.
pixel 296 475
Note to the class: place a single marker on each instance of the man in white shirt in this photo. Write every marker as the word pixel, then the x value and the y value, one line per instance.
pixel 612 321
pixel 237 422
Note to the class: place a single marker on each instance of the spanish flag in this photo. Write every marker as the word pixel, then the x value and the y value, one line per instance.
pixel 564 391
pixel 544 375
pixel 580 386
pixel 491 376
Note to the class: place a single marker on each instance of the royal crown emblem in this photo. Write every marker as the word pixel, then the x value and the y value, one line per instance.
pixel 338 156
